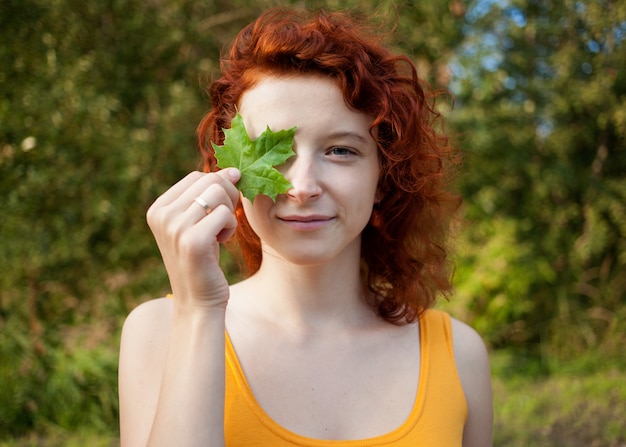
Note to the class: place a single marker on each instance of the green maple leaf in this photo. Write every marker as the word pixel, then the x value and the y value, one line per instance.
pixel 256 158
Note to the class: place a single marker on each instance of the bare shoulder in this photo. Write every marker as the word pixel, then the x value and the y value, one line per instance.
pixel 469 348
pixel 143 350
pixel 472 361
pixel 148 324
pixel 145 335
pixel 149 314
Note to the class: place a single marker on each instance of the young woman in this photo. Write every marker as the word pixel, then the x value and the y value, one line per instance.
pixel 331 340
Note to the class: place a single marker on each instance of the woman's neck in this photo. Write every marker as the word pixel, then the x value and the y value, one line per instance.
pixel 317 297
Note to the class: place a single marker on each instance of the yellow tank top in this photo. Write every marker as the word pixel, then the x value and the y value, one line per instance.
pixel 437 419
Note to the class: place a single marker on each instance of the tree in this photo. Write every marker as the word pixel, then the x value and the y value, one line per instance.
pixel 98 104
pixel 541 91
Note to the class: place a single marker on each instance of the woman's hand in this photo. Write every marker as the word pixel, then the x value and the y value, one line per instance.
pixel 188 235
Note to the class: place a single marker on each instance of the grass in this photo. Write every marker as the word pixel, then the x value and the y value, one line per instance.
pixel 59 438
pixel 581 403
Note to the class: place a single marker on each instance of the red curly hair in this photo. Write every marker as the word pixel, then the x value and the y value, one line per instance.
pixel 404 250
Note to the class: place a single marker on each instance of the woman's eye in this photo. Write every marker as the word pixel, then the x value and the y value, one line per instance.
pixel 341 151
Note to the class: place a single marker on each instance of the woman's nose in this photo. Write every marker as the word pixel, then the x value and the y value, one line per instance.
pixel 303 175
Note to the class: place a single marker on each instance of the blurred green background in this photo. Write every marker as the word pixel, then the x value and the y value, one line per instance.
pixel 98 107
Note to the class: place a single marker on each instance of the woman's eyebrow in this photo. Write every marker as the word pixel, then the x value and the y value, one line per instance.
pixel 348 134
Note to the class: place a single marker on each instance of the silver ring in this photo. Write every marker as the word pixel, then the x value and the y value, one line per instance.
pixel 200 201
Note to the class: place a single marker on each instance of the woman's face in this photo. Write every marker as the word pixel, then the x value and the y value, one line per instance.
pixel 334 173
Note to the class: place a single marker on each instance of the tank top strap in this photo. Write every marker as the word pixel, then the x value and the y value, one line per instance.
pixel 437 418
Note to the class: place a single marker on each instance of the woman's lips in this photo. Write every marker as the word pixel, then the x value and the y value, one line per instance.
pixel 307 222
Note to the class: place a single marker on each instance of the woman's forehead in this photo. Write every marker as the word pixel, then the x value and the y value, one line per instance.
pixel 304 101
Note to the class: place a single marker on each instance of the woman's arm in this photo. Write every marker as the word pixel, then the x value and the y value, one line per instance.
pixel 171 375
pixel 473 366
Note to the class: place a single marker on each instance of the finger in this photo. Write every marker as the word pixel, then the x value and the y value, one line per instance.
pixel 218 228
pixel 175 191
pixel 196 181
pixel 230 224
pixel 232 175
pixel 202 187
pixel 203 205
pixel 157 213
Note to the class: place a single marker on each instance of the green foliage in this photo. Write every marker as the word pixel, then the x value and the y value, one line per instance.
pixel 67 387
pixel 61 438
pixel 98 106
pixel 256 158
pixel 541 105
pixel 579 404
pixel 16 399
pixel 495 270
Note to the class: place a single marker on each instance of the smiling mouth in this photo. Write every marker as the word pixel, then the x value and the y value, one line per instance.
pixel 307 223
pixel 304 219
